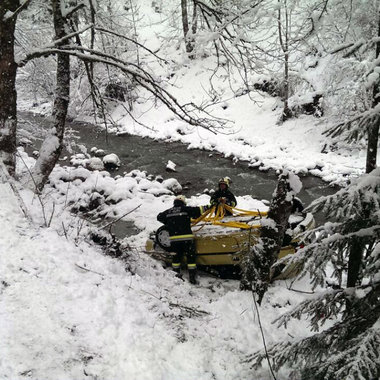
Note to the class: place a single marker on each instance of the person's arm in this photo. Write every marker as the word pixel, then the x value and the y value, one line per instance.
pixel 214 199
pixel 232 200
pixel 161 217
pixel 196 212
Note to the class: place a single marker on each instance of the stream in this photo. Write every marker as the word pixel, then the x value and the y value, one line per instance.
pixel 196 170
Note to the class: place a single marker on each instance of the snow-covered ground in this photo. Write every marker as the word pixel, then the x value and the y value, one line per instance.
pixel 68 311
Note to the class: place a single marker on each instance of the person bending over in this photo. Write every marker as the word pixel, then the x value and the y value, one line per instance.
pixel 177 220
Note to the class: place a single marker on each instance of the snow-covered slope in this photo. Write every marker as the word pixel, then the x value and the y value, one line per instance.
pixel 69 312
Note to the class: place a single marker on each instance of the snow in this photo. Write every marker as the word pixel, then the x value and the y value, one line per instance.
pixel 253 133
pixel 68 311
pixel 295 183
pixel 8 14
pixel 170 166
pixel 296 145
pixel 173 185
pixel 361 293
pixel 111 158
pixel 95 163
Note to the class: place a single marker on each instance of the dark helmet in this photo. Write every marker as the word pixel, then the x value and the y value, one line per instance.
pixel 180 199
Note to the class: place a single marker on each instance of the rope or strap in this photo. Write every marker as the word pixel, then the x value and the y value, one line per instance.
pixel 215 214
pixel 240 212
pixel 206 216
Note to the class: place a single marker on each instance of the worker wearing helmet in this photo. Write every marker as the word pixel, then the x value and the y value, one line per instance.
pixel 177 220
pixel 223 194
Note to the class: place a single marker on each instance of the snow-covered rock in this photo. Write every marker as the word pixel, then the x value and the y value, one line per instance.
pixel 95 163
pixel 170 166
pixel 111 161
pixel 97 152
pixel 79 159
pixel 173 185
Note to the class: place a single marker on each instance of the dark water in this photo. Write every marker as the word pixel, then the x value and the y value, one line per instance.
pixel 196 170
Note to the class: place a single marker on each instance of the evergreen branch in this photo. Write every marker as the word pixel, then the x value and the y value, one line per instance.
pixel 359 199
pixel 331 247
pixel 357 127
pixel 347 350
pixel 321 302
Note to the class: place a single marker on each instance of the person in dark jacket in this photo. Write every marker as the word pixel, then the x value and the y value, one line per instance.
pixel 177 221
pixel 223 194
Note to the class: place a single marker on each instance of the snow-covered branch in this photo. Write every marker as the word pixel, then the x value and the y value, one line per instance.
pixel 349 349
pixel 131 40
pixel 144 79
pixel 356 128
pixel 44 51
pixel 353 47
pixel 14 14
pixel 70 11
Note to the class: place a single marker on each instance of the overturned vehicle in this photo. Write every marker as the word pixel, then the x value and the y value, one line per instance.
pixel 221 239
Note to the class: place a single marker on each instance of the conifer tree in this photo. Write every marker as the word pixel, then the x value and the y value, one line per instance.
pixel 257 263
pixel 348 249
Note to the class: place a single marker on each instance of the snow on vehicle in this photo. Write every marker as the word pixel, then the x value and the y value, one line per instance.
pixel 221 240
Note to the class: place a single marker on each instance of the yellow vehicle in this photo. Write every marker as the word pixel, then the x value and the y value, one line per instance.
pixel 221 240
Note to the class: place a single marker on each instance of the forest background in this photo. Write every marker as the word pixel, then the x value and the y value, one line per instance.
pixel 119 64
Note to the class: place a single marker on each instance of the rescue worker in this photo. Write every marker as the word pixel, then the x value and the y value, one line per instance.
pixel 177 220
pixel 223 194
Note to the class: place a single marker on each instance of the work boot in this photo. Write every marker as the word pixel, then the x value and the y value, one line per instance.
pixel 193 276
pixel 177 272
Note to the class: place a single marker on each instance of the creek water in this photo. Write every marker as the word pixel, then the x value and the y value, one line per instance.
pixel 196 170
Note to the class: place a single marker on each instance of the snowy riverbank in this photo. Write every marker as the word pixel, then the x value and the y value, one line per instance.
pixel 69 312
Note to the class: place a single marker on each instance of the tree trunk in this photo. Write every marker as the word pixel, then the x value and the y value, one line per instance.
pixel 189 42
pixel 257 265
pixel 373 139
pixel 354 263
pixel 194 25
pixel 283 31
pixel 52 145
pixel 373 130
pixel 287 112
pixel 8 95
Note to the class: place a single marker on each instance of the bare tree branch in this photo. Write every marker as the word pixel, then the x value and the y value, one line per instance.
pixel 131 40
pixel 14 14
pixel 145 79
pixel 40 52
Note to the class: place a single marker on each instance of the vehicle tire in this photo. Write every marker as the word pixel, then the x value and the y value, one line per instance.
pixel 162 238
